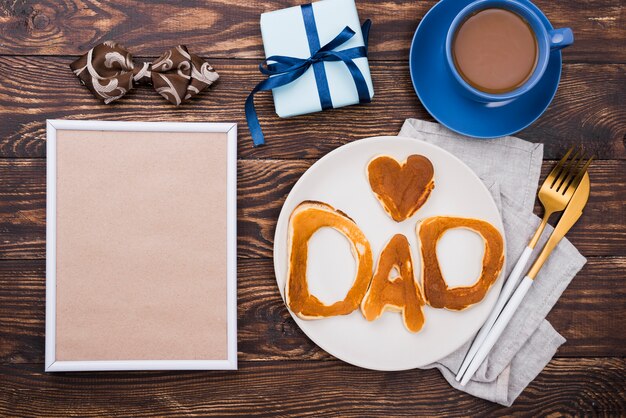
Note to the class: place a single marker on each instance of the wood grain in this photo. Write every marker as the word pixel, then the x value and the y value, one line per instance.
pixel 267 332
pixel 281 371
pixel 583 313
pixel 229 29
pixel 262 187
pixel 308 389
pixel 590 108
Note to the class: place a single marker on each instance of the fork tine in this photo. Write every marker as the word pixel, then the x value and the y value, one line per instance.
pixel 573 169
pixel 576 181
pixel 557 168
pixel 566 170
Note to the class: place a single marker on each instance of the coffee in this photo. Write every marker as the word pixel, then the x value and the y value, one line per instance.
pixel 495 50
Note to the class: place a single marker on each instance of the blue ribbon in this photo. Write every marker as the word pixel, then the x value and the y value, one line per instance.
pixel 318 66
pixel 285 69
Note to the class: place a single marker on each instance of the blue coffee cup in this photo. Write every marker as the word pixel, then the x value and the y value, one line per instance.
pixel 547 40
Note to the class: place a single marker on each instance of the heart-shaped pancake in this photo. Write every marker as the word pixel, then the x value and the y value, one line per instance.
pixel 402 188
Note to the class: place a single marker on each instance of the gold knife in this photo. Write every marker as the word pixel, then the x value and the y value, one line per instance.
pixel 572 213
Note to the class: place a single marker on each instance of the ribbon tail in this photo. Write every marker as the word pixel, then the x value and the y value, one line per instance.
pixel 357 75
pixel 365 30
pixel 253 122
pixel 359 81
pixel 268 84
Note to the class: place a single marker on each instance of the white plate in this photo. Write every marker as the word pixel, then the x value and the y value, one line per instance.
pixel 340 180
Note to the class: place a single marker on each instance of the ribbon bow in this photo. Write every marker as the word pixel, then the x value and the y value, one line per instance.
pixel 109 72
pixel 283 70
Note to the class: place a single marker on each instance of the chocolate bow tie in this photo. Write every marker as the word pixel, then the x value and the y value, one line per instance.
pixel 109 72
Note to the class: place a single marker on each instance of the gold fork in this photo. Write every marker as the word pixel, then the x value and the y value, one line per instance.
pixel 554 194
pixel 558 188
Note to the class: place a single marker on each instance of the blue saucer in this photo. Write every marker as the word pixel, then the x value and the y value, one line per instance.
pixel 441 96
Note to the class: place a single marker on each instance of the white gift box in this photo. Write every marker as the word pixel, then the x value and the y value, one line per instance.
pixel 284 33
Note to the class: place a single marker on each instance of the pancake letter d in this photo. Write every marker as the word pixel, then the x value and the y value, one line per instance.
pixel 306 219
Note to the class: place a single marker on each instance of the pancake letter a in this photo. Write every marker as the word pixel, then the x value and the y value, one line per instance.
pixel 399 292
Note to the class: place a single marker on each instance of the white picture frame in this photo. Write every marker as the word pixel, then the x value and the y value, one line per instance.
pixel 51 362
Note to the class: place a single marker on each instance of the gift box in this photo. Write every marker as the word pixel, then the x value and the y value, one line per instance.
pixel 298 33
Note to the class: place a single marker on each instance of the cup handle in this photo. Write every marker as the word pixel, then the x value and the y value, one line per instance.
pixel 560 38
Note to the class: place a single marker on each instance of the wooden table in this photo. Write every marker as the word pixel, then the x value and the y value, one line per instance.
pixel 281 371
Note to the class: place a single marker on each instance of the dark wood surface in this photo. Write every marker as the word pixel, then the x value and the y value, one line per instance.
pixel 281 371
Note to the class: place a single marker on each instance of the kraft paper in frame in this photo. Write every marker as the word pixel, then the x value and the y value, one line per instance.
pixel 141 248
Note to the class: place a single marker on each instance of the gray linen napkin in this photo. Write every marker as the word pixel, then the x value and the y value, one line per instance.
pixel 510 168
